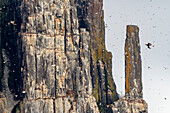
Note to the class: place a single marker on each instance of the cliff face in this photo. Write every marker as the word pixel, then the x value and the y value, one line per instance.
pixel 54 57
pixel 133 101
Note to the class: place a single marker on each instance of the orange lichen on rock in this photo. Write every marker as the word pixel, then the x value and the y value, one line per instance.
pixel 127 57
pixel 131 29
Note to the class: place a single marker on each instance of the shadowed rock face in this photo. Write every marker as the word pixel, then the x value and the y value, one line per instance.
pixel 61 64
pixel 133 101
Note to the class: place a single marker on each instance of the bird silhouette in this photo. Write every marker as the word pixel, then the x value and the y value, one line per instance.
pixel 148 45
pixel 149 67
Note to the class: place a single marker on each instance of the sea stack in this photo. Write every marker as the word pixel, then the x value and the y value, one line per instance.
pixel 133 65
pixel 133 101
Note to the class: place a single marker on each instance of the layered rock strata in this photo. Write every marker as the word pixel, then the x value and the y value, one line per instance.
pixel 133 101
pixel 57 56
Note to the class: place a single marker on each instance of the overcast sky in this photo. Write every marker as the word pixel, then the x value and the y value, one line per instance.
pixel 153 19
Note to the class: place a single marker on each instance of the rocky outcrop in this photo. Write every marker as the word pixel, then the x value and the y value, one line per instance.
pixel 54 59
pixel 133 101
pixel 58 61
pixel 133 67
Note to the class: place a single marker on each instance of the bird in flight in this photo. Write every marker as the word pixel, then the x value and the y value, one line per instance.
pixel 148 45
pixel 149 67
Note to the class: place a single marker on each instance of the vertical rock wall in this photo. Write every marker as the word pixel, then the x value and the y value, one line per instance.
pixel 91 16
pixel 63 60
pixel 54 58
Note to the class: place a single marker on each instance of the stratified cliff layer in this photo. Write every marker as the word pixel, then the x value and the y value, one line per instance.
pixel 133 101
pixel 54 57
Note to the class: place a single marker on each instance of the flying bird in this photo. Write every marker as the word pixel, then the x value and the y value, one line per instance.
pixel 149 67
pixel 148 45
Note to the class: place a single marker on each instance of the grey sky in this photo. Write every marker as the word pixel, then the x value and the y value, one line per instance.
pixel 153 19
